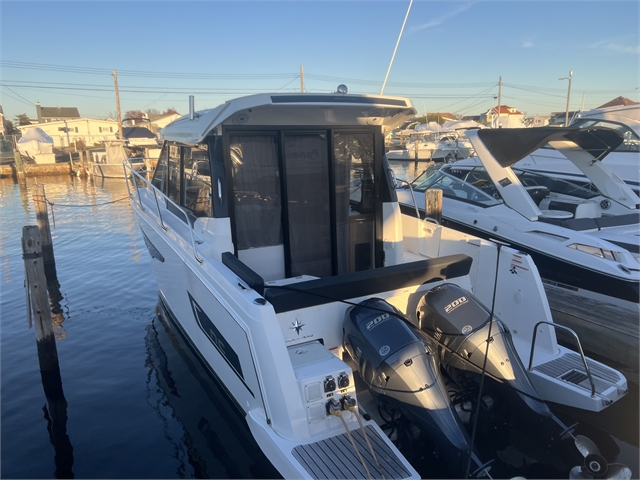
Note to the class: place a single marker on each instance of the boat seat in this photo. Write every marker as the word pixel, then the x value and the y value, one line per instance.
pixel 285 298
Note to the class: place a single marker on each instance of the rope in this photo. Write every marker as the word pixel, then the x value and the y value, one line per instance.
pixel 85 205
pixel 339 415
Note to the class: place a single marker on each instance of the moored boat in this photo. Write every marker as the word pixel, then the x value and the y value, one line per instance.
pixel 288 267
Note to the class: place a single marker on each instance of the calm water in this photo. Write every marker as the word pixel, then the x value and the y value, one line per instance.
pixel 137 403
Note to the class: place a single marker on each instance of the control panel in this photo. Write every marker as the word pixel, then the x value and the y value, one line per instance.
pixel 322 378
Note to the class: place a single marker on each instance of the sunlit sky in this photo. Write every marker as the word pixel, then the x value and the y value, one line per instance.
pixel 449 59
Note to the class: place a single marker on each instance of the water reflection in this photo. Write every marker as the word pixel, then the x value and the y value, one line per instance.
pixel 212 439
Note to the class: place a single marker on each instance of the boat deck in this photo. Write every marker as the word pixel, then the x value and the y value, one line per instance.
pixel 335 457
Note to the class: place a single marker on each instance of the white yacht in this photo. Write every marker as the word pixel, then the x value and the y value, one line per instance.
pixel 436 146
pixel 584 242
pixel 624 161
pixel 330 318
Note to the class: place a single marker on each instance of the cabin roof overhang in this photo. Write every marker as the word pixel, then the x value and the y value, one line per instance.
pixel 321 110
pixel 509 145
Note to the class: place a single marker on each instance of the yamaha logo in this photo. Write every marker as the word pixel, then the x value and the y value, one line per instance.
pixel 455 304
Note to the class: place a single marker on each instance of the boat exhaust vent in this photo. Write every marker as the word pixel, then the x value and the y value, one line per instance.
pixel 191 108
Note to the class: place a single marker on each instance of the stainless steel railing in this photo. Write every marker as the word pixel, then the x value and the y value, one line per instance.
pixel 136 178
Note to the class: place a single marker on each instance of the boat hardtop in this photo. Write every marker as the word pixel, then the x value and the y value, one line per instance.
pixel 276 109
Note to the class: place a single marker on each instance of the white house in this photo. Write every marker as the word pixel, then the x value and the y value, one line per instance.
pixel 87 131
pixel 507 117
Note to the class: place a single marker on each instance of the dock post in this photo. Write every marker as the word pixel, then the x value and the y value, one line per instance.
pixel 19 166
pixel 71 162
pixel 42 217
pixel 433 204
pixel 36 284
pixel 56 409
pixel 416 156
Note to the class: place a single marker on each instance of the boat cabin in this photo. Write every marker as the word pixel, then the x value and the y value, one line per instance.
pixel 302 200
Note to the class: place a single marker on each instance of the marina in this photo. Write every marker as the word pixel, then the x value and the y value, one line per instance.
pixel 134 390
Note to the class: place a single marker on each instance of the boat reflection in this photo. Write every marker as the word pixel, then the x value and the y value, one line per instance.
pixel 213 440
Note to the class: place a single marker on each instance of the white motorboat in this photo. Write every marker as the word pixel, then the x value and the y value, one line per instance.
pixel 624 161
pixel 428 145
pixel 107 163
pixel 584 243
pixel 292 273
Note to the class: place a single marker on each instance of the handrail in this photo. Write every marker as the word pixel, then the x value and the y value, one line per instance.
pixel 584 360
pixel 166 199
pixel 413 197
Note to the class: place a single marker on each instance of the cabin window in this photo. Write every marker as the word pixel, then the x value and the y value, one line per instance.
pixel 197 180
pixel 308 204
pixel 354 201
pixel 304 200
pixel 173 174
pixel 256 191
pixel 160 175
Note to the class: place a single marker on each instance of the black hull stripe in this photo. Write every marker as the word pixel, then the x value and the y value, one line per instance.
pixel 197 353
pixel 554 270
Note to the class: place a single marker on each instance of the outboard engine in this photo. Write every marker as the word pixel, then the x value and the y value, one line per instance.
pixel 459 325
pixel 401 367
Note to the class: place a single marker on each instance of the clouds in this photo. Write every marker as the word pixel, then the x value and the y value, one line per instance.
pixel 435 22
pixel 527 44
pixel 627 44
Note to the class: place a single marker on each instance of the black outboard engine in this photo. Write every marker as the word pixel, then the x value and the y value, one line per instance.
pixel 400 366
pixel 459 325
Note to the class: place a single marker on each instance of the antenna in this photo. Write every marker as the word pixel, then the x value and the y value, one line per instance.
pixel 396 49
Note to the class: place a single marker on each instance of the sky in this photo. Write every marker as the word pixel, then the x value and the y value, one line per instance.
pixel 450 57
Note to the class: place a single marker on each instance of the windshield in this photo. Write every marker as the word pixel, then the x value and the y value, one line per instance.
pixel 451 182
pixel 631 141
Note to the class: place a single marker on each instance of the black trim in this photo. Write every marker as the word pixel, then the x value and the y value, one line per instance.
pixel 251 278
pixel 218 341
pixel 365 283
pixel 554 270
pixel 338 98
pixel 196 352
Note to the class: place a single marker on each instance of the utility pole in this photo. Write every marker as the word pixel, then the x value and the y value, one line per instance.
pixel 115 83
pixel 301 78
pixel 566 115
pixel 499 100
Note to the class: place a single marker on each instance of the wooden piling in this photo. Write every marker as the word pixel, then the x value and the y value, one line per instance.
pixel 416 155
pixel 36 283
pixel 433 204
pixel 56 413
pixel 42 217
pixel 19 166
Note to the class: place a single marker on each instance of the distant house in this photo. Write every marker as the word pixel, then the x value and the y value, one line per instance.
pixel 160 122
pixel 507 116
pixel 85 132
pixel 55 114
pixel 618 102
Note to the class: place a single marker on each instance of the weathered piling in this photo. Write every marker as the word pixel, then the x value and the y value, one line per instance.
pixel 433 204
pixel 416 155
pixel 38 300
pixel 19 167
pixel 42 217
pixel 36 284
